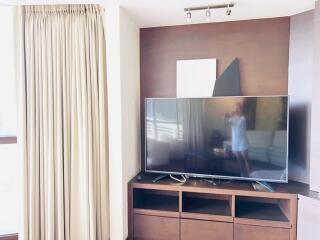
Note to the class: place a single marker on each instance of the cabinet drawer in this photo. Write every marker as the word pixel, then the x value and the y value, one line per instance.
pixel 245 232
pixel 9 237
pixel 209 230
pixel 155 228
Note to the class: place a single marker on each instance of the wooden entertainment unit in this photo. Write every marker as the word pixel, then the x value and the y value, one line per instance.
pixel 200 210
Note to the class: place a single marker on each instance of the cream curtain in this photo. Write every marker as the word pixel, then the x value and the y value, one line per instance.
pixel 62 95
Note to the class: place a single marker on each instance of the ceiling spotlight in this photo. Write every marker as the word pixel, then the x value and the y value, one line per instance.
pixel 208 9
pixel 189 16
pixel 208 14
pixel 228 12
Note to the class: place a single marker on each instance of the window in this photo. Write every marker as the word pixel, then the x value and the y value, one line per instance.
pixel 162 120
pixel 9 161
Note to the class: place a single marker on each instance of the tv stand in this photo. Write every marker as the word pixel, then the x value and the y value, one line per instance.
pixel 200 210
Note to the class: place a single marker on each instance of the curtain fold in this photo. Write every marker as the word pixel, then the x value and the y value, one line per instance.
pixel 191 116
pixel 63 122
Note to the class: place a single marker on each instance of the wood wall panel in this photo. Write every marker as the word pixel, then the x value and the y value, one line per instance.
pixel 262 47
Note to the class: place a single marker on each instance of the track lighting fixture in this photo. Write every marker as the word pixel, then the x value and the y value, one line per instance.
pixel 189 16
pixel 208 10
pixel 208 13
pixel 228 12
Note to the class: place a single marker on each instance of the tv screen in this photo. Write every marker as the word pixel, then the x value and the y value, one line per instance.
pixel 221 137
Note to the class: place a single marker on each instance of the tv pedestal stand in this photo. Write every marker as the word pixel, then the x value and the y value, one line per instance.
pixel 160 177
pixel 213 181
pixel 182 178
pixel 265 185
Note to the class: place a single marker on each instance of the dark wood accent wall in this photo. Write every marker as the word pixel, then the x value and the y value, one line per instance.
pixel 262 47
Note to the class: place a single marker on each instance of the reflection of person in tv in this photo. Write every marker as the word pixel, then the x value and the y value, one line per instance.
pixel 240 145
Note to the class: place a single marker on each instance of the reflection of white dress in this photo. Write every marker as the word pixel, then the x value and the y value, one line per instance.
pixel 239 133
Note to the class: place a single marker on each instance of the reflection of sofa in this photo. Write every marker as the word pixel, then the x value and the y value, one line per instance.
pixel 268 146
pixel 270 149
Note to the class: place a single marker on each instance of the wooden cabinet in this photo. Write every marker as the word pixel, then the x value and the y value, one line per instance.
pixel 246 232
pixel 209 230
pixel 199 210
pixel 156 228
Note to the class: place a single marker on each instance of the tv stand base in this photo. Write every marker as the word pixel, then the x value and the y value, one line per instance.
pixel 265 185
pixel 213 181
pixel 160 177
pixel 181 179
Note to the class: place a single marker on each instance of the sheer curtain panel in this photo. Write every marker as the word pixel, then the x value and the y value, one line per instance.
pixel 63 122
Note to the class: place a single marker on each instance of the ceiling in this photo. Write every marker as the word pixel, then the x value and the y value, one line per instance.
pixel 153 13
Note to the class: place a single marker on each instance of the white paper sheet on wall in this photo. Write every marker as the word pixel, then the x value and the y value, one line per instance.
pixel 196 78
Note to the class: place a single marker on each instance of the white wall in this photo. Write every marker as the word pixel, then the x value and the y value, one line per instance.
pixel 308 218
pixel 300 91
pixel 124 113
pixel 130 78
pixel 114 122
pixel 304 88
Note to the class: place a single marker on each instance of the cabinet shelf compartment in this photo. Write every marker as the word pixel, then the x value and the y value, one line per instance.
pixel 258 208
pixel 206 206
pixel 145 201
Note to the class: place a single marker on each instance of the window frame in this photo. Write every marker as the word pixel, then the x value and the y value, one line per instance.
pixel 8 139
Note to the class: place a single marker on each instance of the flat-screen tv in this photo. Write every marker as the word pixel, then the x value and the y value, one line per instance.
pixel 243 138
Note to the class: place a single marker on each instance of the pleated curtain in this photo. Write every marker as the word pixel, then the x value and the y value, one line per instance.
pixel 63 122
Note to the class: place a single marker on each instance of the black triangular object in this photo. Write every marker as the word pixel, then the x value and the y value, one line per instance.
pixel 228 83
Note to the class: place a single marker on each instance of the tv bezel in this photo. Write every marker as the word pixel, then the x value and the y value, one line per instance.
pixel 196 175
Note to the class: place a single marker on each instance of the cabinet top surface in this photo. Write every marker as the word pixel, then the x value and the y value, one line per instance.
pixel 223 186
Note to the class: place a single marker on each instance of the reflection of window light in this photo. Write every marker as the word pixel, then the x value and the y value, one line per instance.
pixel 162 120
pixel 164 130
